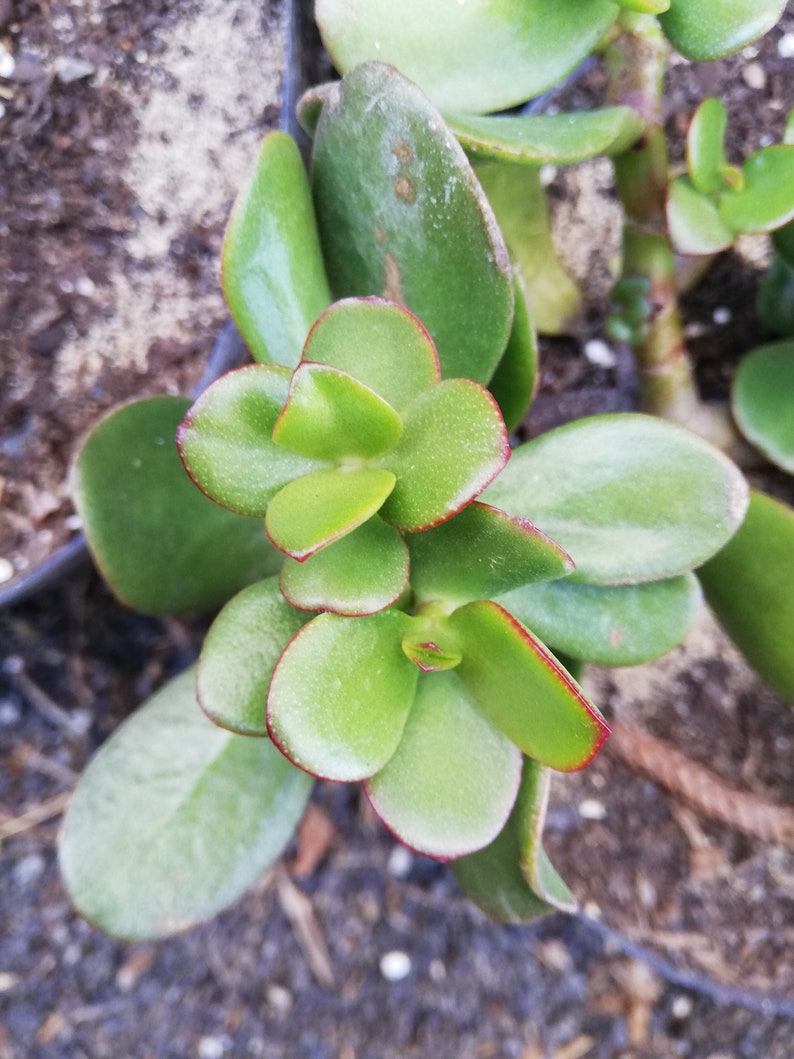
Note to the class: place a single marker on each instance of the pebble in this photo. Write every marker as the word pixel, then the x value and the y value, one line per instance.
pixel 6 570
pixel 599 353
pixel 754 76
pixel 68 69
pixel 28 869
pixel 682 1007
pixel 10 713
pixel 212 1047
pixel 722 315
pixel 395 965
pixel 785 46
pixel 400 862
pixel 592 809
pixel 7 62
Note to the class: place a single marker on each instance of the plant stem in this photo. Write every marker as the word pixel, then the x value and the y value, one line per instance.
pixel 636 67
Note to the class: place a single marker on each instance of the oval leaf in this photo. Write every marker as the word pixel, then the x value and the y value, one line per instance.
pixel 272 268
pixel 379 343
pixel 705 30
pixel 161 545
pixel 480 553
pixel 409 221
pixel 762 399
pixel 362 573
pixel 477 56
pixel 610 625
pixel 340 695
pixel 243 645
pixel 767 199
pixel 524 690
pixel 515 379
pixel 705 146
pixel 694 221
pixel 750 587
pixel 557 139
pixel 319 508
pixel 450 785
pixel 453 444
pixel 226 443
pixel 629 497
pixel 174 819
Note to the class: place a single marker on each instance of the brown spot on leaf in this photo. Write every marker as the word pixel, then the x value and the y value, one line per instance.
pixel 380 234
pixel 615 637
pixel 392 280
pixel 403 152
pixel 404 189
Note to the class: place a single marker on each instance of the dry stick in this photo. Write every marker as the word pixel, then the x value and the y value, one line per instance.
pixel 34 816
pixel 700 788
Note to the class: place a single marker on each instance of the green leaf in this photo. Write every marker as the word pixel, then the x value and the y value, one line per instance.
pixel 559 139
pixel 522 688
pixel 409 221
pixel 272 271
pixel 174 819
pixel 319 508
pixel 450 785
pixel 775 302
pixel 362 573
pixel 519 202
pixel 226 445
pixel 750 587
pixel 514 381
pixel 477 56
pixel 330 415
pixel 453 444
pixel 648 7
pixel 240 650
pixel 379 343
pixel 311 103
pixel 610 625
pixel 704 30
pixel 340 694
pixel 762 399
pixel 766 201
pixel 629 497
pixel 694 221
pixel 705 147
pixel 161 545
pixel 480 553
pixel 429 656
pixel 495 879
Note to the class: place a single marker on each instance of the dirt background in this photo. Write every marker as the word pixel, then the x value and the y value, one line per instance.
pixel 126 129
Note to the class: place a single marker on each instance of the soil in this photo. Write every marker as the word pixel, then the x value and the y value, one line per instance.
pixel 684 945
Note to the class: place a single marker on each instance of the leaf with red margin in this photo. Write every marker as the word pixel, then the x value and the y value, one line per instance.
pixel 361 573
pixel 239 653
pixel 329 415
pixel 524 690
pixel 341 693
pixel 226 445
pixel 319 508
pixel 479 554
pixel 379 343
pixel 453 444
pixel 451 783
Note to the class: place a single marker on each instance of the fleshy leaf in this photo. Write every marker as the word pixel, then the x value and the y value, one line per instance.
pixel 766 201
pixel 480 553
pixel 512 880
pixel 750 587
pixel 450 785
pixel 409 221
pixel 514 381
pixel 311 103
pixel 524 690
pixel 629 497
pixel 704 30
pixel 695 224
pixel 161 545
pixel 330 415
pixel 610 625
pixel 476 56
pixel 429 656
pixel 453 444
pixel 762 399
pixel 319 508
pixel 243 645
pixel 226 445
pixel 519 202
pixel 378 342
pixel 273 273
pixel 362 573
pixel 775 302
pixel 647 7
pixel 558 139
pixel 705 147
pixel 341 693
pixel 174 819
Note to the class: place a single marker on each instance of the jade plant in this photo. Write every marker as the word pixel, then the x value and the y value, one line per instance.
pixel 405 601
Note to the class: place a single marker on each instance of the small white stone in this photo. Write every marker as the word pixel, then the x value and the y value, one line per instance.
pixel 547 173
pixel 69 69
pixel 785 46
pixel 395 965
pixel 437 971
pixel 73 522
pixel 722 315
pixel 85 286
pixel 754 75
pixel 10 713
pixel 279 998
pixel 6 570
pixel 682 1007
pixel 211 1047
pixel 28 869
pixel 7 62
pixel 592 910
pixel 598 353
pixel 400 862
pixel 592 809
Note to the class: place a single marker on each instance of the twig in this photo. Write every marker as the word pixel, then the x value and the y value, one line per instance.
pixel 47 707
pixel 38 814
pixel 299 911
pixel 700 788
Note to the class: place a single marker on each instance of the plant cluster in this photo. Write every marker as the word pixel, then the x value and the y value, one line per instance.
pixel 417 607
